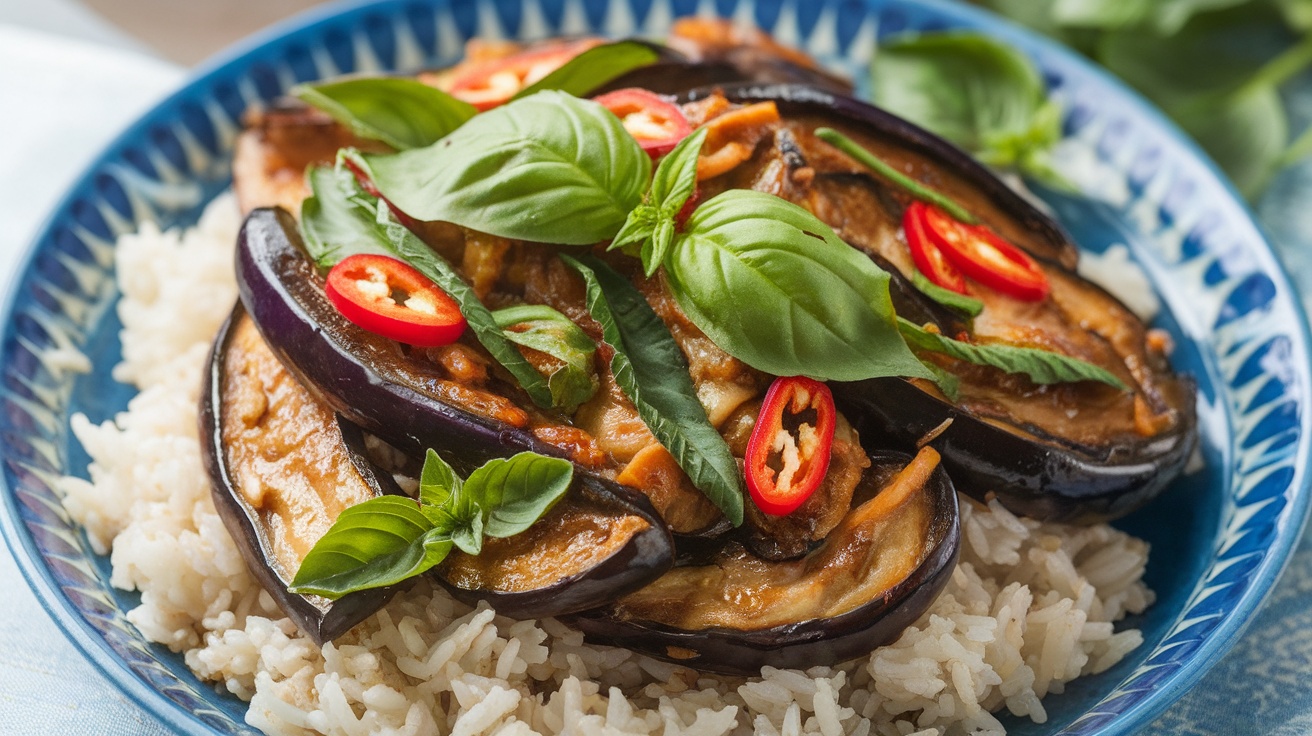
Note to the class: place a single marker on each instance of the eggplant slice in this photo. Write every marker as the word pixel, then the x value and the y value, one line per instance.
pixel 1080 452
pixel 607 540
pixel 873 576
pixel 280 472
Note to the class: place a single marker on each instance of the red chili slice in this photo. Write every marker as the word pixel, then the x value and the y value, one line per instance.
pixel 784 466
pixel 985 257
pixel 488 84
pixel 656 123
pixel 927 256
pixel 390 298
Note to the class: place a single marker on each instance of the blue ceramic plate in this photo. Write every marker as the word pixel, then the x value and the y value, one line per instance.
pixel 1220 536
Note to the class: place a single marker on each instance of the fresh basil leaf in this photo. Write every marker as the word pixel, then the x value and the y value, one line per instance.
pixel 967 305
pixel 548 331
pixel 1218 78
pixel 467 534
pixel 672 185
pixel 547 168
pixel 372 544
pixel 1042 366
pixel 338 219
pixel 638 228
pixel 515 492
pixel 1297 13
pixel 438 481
pixel 1163 17
pixel 774 287
pixel 403 113
pixel 595 67
pixel 651 371
pixel 979 93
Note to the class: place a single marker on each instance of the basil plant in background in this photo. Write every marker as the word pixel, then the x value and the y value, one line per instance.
pixel 1219 68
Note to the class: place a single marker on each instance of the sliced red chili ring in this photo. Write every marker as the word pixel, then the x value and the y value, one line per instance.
pixel 656 123
pixel 785 466
pixel 389 297
pixel 986 257
pixel 927 256
pixel 488 84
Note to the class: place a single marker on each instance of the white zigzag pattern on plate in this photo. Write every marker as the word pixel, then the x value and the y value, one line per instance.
pixel 41 395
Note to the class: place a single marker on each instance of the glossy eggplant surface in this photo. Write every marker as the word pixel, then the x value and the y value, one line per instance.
pixel 872 576
pixel 1078 452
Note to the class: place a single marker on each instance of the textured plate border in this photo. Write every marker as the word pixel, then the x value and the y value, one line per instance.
pixel 1232 296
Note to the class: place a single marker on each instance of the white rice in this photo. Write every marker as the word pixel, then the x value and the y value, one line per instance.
pixel 1029 608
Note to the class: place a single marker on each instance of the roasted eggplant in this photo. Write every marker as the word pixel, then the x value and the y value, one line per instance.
pixel 1078 452
pixel 280 473
pixel 604 540
pixel 874 575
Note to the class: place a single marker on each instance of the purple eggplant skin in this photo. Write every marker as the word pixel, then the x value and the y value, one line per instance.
pixel 570 594
pixel 1030 472
pixel 322 619
pixel 805 643
pixel 364 378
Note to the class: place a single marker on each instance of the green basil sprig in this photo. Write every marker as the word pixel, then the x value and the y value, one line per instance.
pixel 774 287
pixel 386 540
pixel 591 69
pixel 546 168
pixel 403 113
pixel 652 222
pixel 650 369
pixel 977 92
pixel 1042 366
pixel 546 330
pixel 968 305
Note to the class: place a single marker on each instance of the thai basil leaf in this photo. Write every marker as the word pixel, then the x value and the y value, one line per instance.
pixel 438 481
pixel 652 223
pixel 515 492
pixel 595 67
pixel 547 168
pixel 467 534
pixel 1218 78
pixel 650 369
pixel 967 305
pixel 1042 366
pixel 339 219
pixel 1164 17
pixel 774 287
pixel 373 544
pixel 403 113
pixel 977 92
pixel 407 247
pixel 548 331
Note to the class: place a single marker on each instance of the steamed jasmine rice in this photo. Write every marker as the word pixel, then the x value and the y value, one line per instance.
pixel 1029 608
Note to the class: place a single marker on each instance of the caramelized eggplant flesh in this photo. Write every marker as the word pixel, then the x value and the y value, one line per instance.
pixel 280 472
pixel 873 575
pixel 1078 452
pixel 608 539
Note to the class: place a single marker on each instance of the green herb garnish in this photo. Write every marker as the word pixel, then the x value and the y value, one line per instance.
pixel 651 223
pixel 403 113
pixel 967 305
pixel 547 168
pixel 339 219
pixel 386 540
pixel 774 287
pixel 650 369
pixel 886 170
pixel 1042 366
pixel 542 328
pixel 595 67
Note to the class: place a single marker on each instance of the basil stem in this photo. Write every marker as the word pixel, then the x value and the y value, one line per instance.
pixel 881 167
